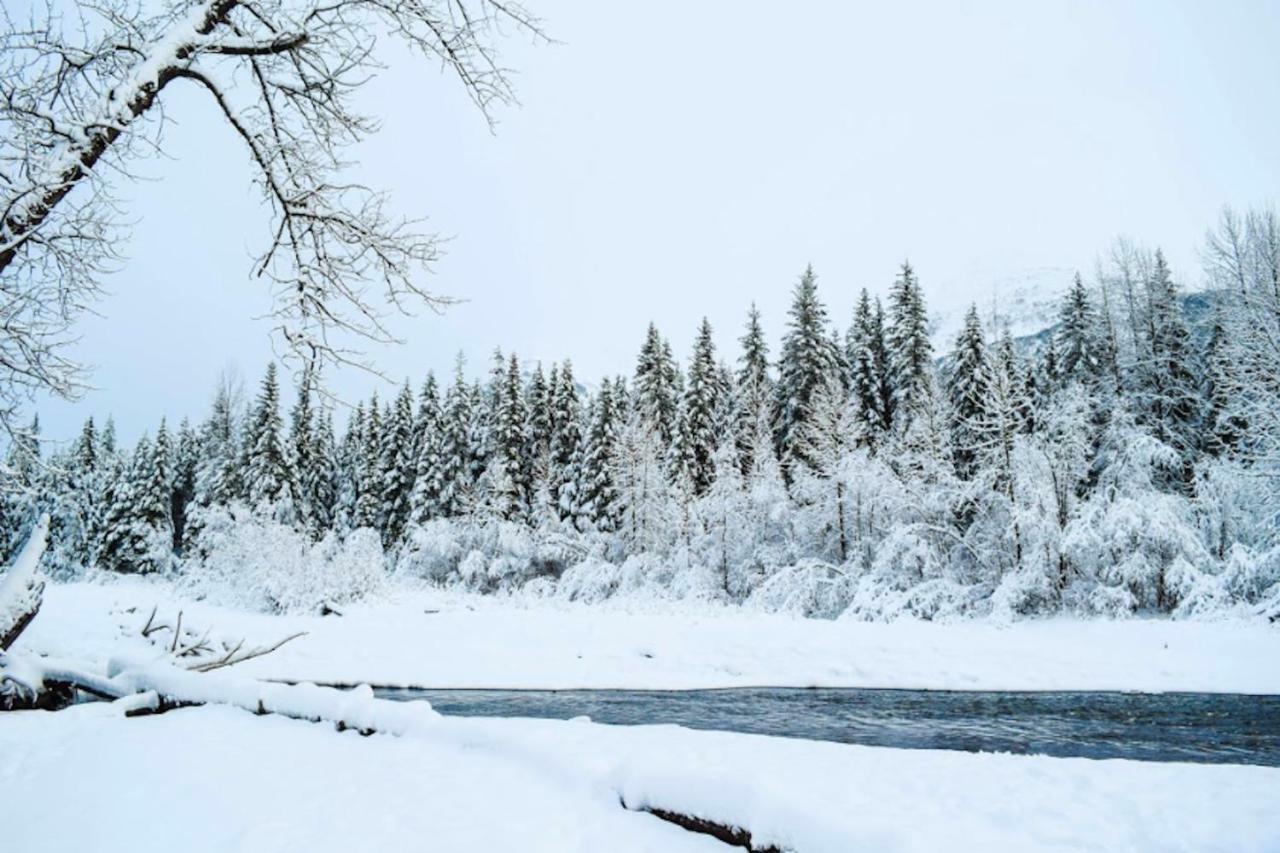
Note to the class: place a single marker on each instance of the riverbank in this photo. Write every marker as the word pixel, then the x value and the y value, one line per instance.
pixel 219 779
pixel 437 639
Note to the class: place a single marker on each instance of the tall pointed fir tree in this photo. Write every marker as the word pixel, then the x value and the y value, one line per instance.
pixel 323 487
pixel 808 360
pixel 509 474
pixel 866 357
pixel 186 459
pixel 137 533
pixel 367 513
pixel 424 501
pixel 703 397
pixel 910 352
pixel 302 450
pixel 754 386
pixel 398 467
pixel 453 478
pixel 350 457
pixel 268 481
pixel 596 505
pixel 656 378
pixel 566 441
pixel 1225 426
pixel 967 387
pixel 1075 343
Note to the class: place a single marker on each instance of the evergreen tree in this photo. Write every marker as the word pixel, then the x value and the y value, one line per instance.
pixel 86 449
pixel 866 357
pixel 703 398
pixel 398 467
pixel 367 511
pixel 1076 340
pixel 967 388
pixel 808 361
pixel 267 478
pixel 596 495
pixel 566 441
pixel 910 353
pixel 322 489
pixel 186 459
pixel 656 394
pixel 512 487
pixel 453 477
pixel 137 536
pixel 302 449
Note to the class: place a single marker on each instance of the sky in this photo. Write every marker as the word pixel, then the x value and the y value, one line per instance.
pixel 670 161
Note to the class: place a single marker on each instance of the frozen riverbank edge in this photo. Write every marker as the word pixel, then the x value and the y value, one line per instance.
pixel 439 639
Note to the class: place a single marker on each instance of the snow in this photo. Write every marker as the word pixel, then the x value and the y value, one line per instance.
pixel 433 638
pixel 19 585
pixel 219 779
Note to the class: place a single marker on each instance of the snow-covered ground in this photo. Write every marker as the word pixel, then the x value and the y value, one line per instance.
pixel 216 778
pixel 219 779
pixel 434 639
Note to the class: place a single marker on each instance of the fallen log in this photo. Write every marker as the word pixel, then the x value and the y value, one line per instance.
pixel 21 587
pixel 734 836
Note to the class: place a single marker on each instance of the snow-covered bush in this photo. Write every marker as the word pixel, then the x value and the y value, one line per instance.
pixel 258 563
pixel 809 588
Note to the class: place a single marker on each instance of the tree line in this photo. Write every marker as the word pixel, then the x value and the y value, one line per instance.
pixel 1123 460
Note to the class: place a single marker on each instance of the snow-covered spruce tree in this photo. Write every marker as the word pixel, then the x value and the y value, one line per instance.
pixel 753 388
pixel 807 362
pixel 864 352
pixel 424 501
pixel 137 530
pixel 324 485
pixel 510 446
pixel 301 446
pixel 268 481
pixel 704 396
pixel 186 459
pixel 967 388
pixel 566 440
pixel 366 513
pixel 1075 343
pixel 452 481
pixel 219 475
pixel 350 452
pixel 656 394
pixel 397 467
pixel 596 506
pixel 909 349
pixel 82 95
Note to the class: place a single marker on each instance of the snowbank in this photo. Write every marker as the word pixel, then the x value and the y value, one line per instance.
pixel 435 639
pixel 266 783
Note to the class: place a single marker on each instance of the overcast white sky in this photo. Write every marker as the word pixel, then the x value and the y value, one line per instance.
pixel 672 160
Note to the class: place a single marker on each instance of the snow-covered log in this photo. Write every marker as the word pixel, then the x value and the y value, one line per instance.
pixel 21 587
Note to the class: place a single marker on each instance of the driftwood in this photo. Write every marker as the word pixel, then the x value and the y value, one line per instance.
pixel 22 588
pixel 731 835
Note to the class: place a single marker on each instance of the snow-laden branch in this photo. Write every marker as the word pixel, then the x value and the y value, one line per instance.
pixel 77 103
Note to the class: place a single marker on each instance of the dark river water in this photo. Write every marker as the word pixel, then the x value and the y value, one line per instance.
pixel 1203 727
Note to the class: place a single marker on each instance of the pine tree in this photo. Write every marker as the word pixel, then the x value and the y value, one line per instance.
pixel 367 511
pixel 596 495
pixel 866 356
pixel 267 478
pixel 754 385
pixel 86 449
pixel 656 397
pixel 186 458
pixel 322 489
pixel 453 481
pixel 137 530
pixel 398 467
pixel 302 450
pixel 703 398
pixel 909 349
pixel 566 442
pixel 967 388
pixel 808 361
pixel 424 501
pixel 1075 344
pixel 512 486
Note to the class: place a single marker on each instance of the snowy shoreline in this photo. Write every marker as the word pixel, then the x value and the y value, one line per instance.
pixel 478 643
